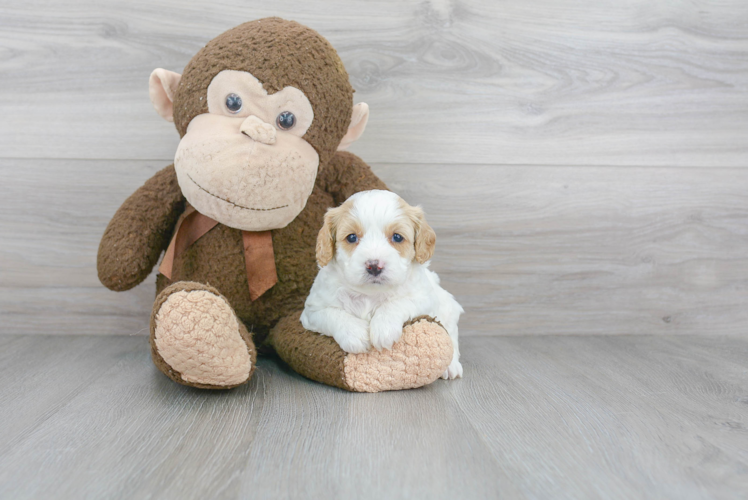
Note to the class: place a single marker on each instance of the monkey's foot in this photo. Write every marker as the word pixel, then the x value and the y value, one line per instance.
pixel 420 357
pixel 197 340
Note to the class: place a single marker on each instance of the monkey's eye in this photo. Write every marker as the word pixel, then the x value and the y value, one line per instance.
pixel 233 103
pixel 397 238
pixel 351 238
pixel 286 120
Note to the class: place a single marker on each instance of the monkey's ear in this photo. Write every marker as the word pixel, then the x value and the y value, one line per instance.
pixel 359 117
pixel 162 86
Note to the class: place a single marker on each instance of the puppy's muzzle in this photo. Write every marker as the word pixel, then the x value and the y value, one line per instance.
pixel 373 267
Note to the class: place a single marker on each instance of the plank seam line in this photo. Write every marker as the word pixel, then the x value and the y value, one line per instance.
pixel 392 163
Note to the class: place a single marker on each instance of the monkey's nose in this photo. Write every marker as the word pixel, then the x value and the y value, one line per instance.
pixel 258 130
pixel 373 267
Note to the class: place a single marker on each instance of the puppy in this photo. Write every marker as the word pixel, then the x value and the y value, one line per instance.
pixel 373 252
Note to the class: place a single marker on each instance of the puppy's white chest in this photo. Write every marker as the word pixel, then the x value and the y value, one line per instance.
pixel 358 304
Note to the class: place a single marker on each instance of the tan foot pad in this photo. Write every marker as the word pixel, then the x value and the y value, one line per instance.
pixel 198 335
pixel 417 359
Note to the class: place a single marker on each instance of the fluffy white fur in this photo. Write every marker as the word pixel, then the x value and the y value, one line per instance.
pixel 361 309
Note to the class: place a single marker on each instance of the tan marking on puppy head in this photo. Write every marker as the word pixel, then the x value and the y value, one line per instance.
pixel 335 220
pixel 425 237
pixel 348 225
pixel 405 228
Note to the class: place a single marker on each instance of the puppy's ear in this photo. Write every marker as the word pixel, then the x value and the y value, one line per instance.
pixel 326 239
pixel 425 236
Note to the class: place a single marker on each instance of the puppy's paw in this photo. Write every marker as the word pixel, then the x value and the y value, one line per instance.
pixel 453 371
pixel 354 337
pixel 384 331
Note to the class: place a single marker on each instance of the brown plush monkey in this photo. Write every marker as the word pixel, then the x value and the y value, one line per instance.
pixel 264 112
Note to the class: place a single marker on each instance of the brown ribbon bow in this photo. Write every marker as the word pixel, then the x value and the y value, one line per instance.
pixel 258 251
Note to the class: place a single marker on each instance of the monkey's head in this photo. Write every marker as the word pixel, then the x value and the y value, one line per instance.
pixel 258 109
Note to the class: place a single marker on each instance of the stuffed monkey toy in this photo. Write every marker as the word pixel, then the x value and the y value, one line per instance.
pixel 264 112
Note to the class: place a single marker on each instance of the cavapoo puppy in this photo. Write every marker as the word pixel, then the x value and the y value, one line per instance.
pixel 373 253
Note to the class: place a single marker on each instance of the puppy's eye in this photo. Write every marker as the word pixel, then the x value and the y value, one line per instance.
pixel 397 238
pixel 233 103
pixel 351 238
pixel 286 120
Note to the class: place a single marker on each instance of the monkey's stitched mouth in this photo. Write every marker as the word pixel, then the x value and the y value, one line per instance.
pixel 231 202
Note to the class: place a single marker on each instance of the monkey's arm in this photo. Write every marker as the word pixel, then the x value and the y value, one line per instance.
pixel 419 358
pixel 347 174
pixel 140 231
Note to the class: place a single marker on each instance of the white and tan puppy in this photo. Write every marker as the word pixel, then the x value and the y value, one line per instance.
pixel 373 252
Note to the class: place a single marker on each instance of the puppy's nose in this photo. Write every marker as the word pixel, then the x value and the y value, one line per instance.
pixel 373 267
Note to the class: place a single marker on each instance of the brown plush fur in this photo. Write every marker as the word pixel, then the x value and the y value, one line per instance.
pixel 317 357
pixel 279 53
pixel 139 231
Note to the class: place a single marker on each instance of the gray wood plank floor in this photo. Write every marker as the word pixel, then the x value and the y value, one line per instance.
pixel 535 417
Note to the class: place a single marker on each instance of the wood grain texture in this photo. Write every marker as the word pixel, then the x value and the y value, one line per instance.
pixel 526 250
pixel 534 417
pixel 579 250
pixel 635 417
pixel 572 82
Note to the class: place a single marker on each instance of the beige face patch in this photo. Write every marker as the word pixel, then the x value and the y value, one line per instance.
pixel 256 101
pixel 243 168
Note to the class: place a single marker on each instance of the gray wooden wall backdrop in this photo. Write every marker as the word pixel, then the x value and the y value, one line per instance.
pixel 584 162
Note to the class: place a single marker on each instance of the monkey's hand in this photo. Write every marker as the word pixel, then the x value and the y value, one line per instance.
pixel 140 231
